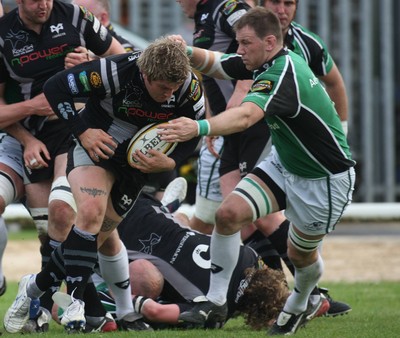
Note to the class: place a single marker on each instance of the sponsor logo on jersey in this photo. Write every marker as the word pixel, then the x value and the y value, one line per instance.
pixel 86 14
pixel 264 86
pixel 48 54
pixel 16 39
pixel 72 84
pixel 147 244
pixel 133 96
pixel 314 82
pixel 199 105
pixel 204 17
pixel 133 57
pixel 23 50
pixel 195 90
pixel 235 17
pixel 56 29
pixel 198 34
pixel 180 246
pixel 150 115
pixel 229 7
pixel 96 25
pixel 95 79
pixel 84 81
pixel 273 126
pixel 170 102
pixel 103 33
pixel 65 110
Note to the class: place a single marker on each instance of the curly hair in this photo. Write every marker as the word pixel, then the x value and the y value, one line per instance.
pixel 264 298
pixel 165 59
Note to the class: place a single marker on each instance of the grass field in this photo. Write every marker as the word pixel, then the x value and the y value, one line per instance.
pixel 375 314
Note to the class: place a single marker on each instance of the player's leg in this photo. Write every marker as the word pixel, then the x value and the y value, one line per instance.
pixel 314 208
pixel 251 199
pixel 11 189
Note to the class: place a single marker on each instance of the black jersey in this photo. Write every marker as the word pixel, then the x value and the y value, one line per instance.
pixel 119 103
pixel 31 59
pixel 214 20
pixel 124 42
pixel 181 254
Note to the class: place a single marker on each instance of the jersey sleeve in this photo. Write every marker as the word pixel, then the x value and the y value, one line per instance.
pixel 231 12
pixel 321 61
pixel 233 66
pixel 97 37
pixel 318 56
pixel 84 80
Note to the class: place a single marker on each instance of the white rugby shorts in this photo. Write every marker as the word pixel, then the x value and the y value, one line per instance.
pixel 314 206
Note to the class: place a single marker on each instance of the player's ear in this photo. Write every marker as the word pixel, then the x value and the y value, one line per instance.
pixel 146 78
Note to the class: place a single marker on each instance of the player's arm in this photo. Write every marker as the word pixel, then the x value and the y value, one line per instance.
pixel 241 89
pixel 155 312
pixel 115 48
pixel 336 89
pixel 12 113
pixel 61 89
pixel 218 65
pixel 228 122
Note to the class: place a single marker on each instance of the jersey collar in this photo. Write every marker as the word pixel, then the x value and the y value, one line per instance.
pixel 265 66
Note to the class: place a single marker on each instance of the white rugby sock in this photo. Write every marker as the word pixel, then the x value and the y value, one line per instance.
pixel 305 279
pixel 3 244
pixel 115 271
pixel 224 252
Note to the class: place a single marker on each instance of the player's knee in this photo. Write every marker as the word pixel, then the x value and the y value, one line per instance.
pixel 302 251
pixel 227 219
pixel 7 191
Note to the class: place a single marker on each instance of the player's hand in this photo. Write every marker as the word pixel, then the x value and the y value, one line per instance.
pixel 36 154
pixel 78 56
pixel 154 162
pixel 178 130
pixel 178 38
pixel 40 106
pixel 210 141
pixel 98 144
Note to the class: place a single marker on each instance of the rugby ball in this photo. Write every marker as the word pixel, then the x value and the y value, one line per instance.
pixel 146 139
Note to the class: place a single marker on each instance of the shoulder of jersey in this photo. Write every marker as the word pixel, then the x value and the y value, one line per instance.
pixel 145 139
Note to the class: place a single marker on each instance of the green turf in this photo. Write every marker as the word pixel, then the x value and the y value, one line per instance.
pixel 375 314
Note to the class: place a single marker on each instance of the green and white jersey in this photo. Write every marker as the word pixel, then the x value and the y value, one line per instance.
pixel 310 47
pixel 305 127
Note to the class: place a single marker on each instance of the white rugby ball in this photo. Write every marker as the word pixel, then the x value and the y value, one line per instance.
pixel 146 139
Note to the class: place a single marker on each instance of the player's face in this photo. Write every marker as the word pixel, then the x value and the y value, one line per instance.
pixel 188 7
pixel 34 12
pixel 253 50
pixel 160 90
pixel 284 9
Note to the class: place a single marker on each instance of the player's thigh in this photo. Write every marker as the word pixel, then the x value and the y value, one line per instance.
pixel 316 206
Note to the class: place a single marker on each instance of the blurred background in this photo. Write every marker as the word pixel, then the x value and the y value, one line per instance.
pixel 364 39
